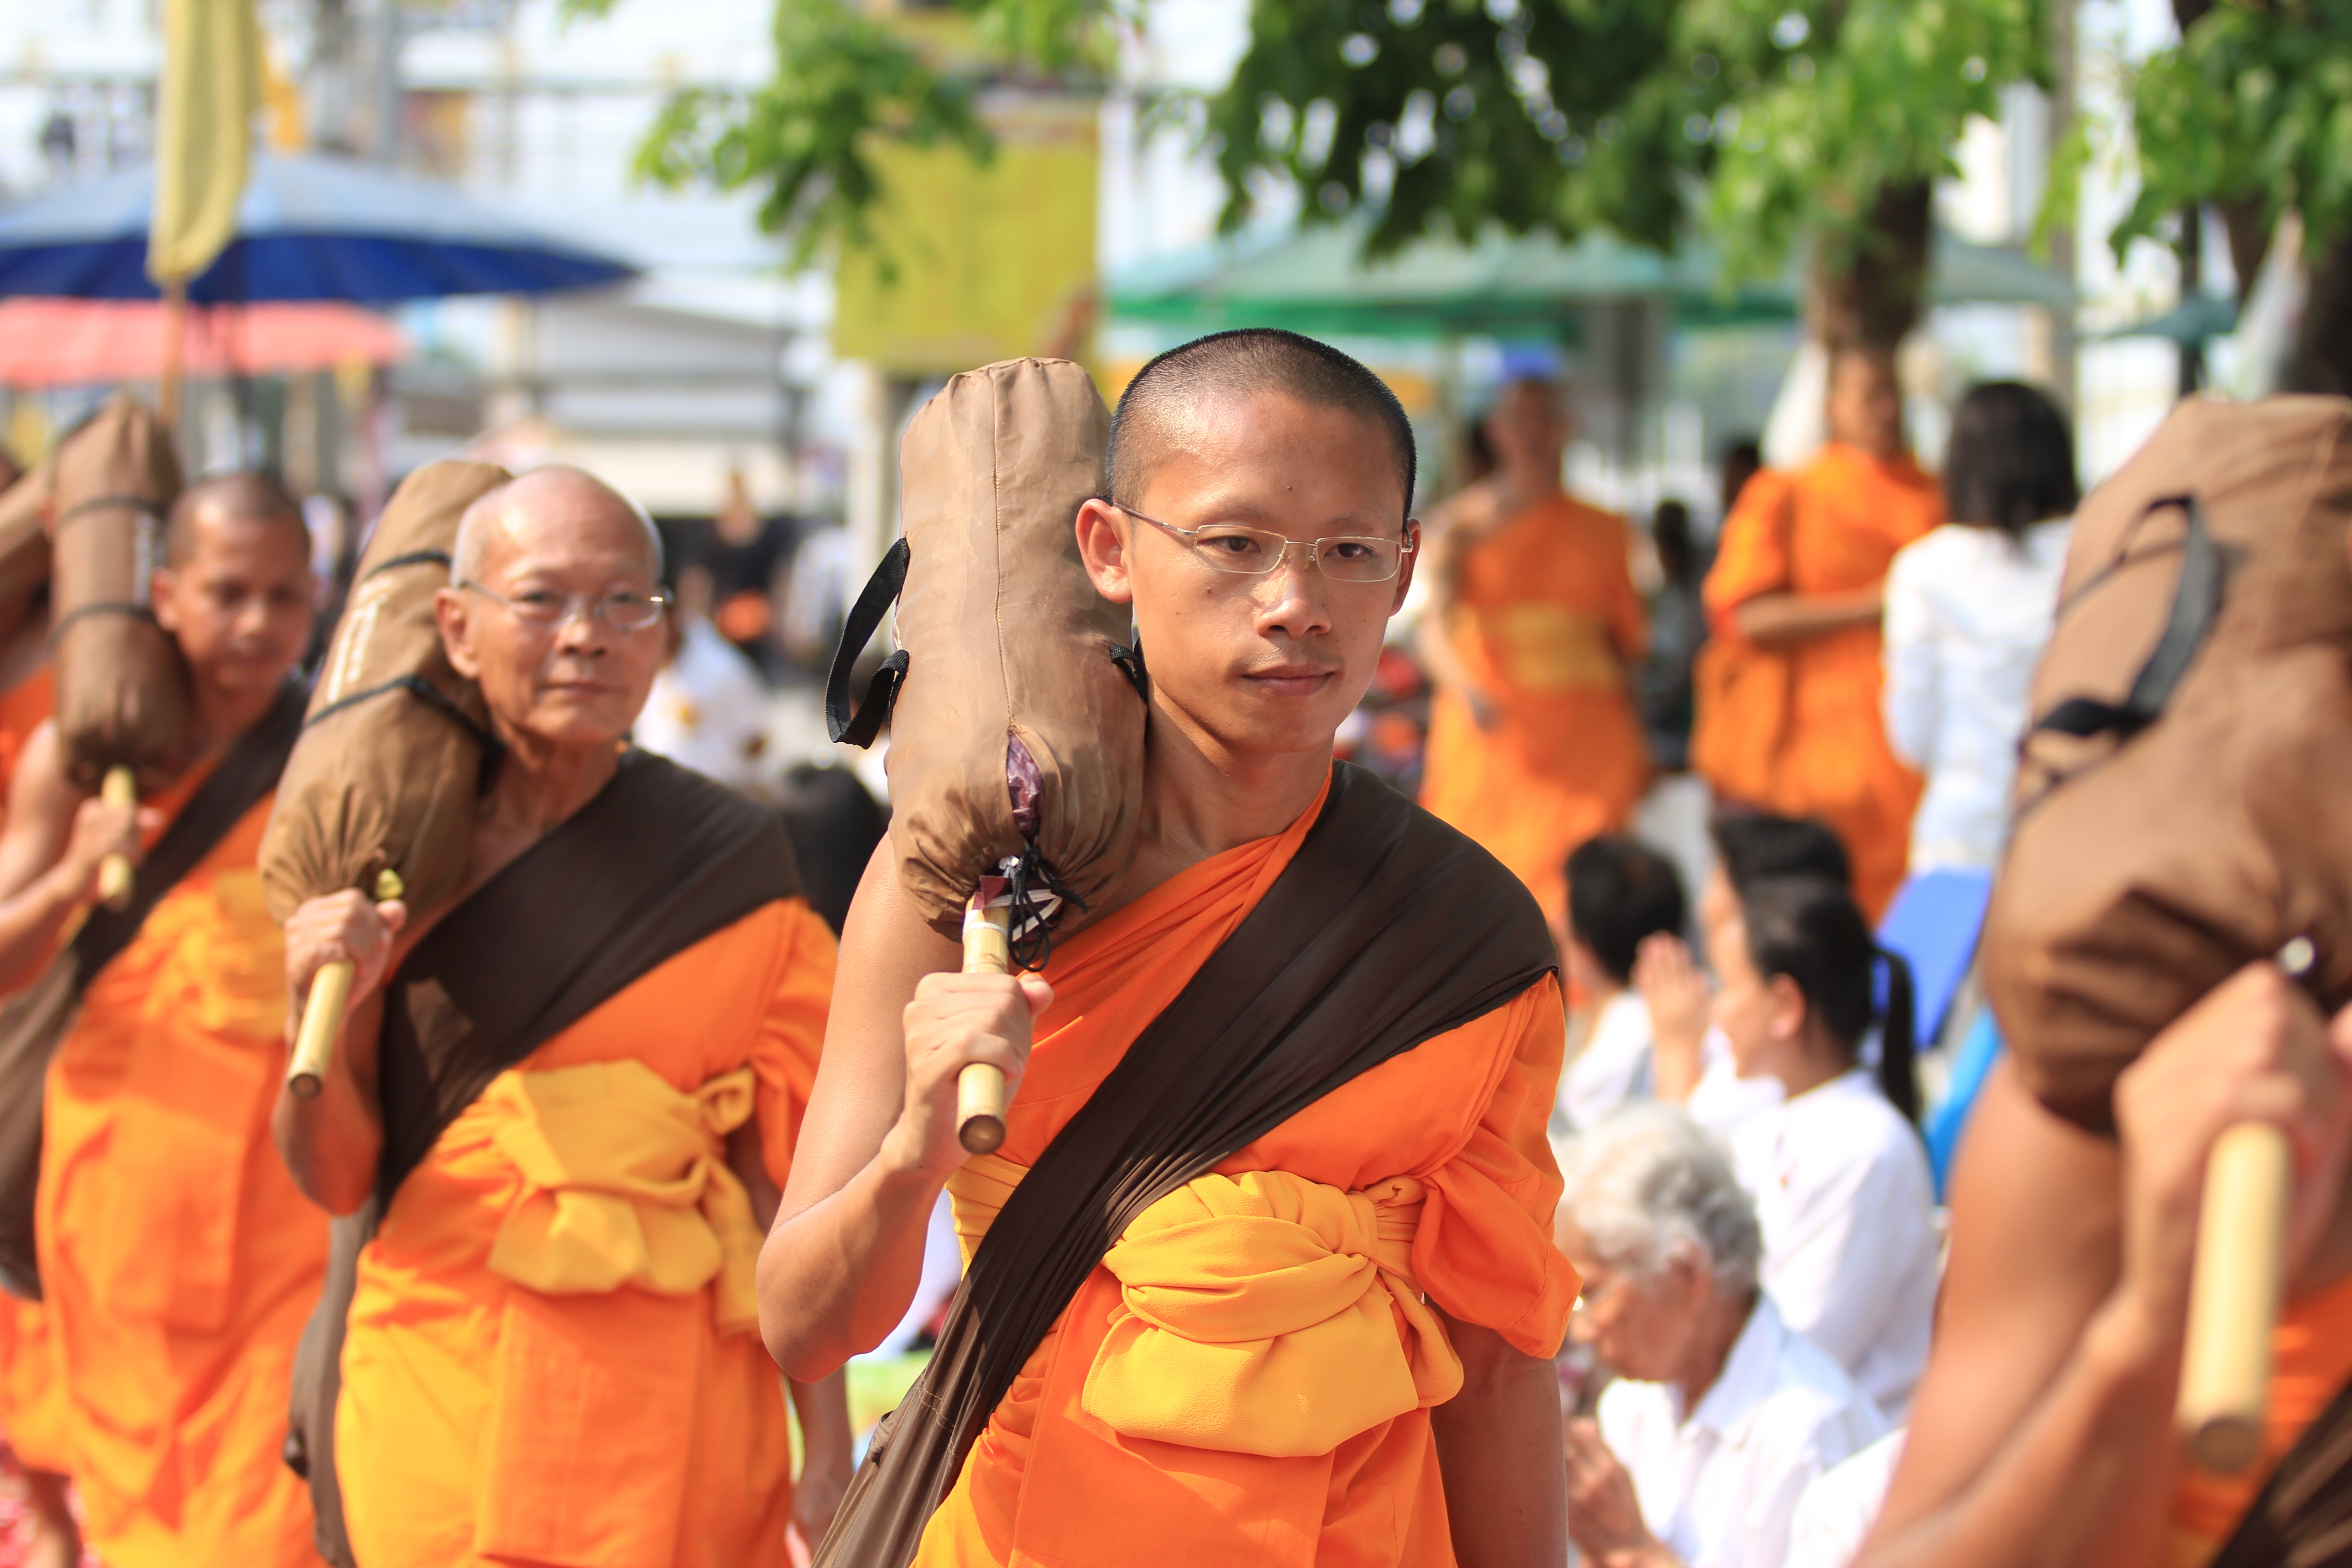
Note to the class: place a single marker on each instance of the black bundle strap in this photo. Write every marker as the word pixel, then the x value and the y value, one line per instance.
pixel 413 558
pixel 110 608
pixel 881 591
pixel 148 504
pixel 1039 899
pixel 417 686
pixel 2196 606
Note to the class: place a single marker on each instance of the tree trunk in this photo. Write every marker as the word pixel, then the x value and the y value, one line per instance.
pixel 2322 359
pixel 1871 294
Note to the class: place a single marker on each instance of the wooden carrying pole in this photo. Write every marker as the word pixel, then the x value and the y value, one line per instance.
pixel 121 788
pixel 2233 1297
pixel 322 1013
pixel 980 1088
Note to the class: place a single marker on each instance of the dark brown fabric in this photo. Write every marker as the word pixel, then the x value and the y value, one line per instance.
pixel 660 859
pixel 388 767
pixel 122 689
pixel 1005 638
pixel 1387 929
pixel 35 1021
pixel 2169 834
pixel 2303 1519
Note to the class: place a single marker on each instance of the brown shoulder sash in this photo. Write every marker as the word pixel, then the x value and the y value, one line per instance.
pixel 36 1021
pixel 1387 929
pixel 660 859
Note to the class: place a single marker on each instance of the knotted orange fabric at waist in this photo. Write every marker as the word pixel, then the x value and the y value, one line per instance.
pixel 626 1184
pixel 1262 1313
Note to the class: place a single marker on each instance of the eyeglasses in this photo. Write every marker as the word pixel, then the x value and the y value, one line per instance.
pixel 1594 1293
pixel 626 610
pixel 1254 551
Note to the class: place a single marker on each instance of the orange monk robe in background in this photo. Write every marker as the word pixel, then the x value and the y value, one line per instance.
pixel 1546 623
pixel 1440 1153
pixel 177 1259
pixel 1833 527
pixel 482 1422
pixel 32 1398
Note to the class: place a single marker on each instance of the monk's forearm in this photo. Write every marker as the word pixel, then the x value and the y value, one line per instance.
pixel 331 1142
pixel 1502 1456
pixel 835 1277
pixel 31 922
pixel 1784 620
pixel 823 1408
pixel 2086 1481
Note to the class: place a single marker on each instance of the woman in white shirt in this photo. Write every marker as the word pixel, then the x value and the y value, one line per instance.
pixel 1968 610
pixel 1721 1416
pixel 1840 1176
pixel 1621 892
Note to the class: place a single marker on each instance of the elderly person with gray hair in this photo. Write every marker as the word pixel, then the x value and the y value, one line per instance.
pixel 1721 1415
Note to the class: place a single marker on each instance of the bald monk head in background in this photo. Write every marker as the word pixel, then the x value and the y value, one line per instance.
pixel 1256 520
pixel 177 1258
pixel 461 1437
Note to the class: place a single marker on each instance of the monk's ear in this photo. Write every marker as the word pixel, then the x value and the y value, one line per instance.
pixel 1405 566
pixel 1102 543
pixel 454 615
pixel 162 587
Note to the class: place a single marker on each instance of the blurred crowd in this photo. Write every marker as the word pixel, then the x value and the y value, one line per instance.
pixel 1843 678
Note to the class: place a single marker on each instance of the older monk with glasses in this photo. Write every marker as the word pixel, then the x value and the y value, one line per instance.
pixel 559 1105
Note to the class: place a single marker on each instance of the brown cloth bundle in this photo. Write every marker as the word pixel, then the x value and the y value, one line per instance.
pixel 391 758
pixel 2176 809
pixel 1016 736
pixel 122 690
pixel 23 548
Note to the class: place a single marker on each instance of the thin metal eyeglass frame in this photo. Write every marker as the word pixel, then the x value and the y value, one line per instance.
pixel 1191 538
pixel 574 605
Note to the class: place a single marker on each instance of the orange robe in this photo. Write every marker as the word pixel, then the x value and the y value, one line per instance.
pixel 483 1422
pixel 1818 748
pixel 1457 1126
pixel 32 1399
pixel 177 1258
pixel 1546 622
pixel 2310 1362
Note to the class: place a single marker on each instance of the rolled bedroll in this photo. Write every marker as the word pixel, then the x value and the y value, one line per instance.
pixel 1015 699
pixel 379 794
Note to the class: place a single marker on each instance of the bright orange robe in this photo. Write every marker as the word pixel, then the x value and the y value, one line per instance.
pixel 1547 621
pixel 482 1422
pixel 2310 1362
pixel 32 1399
pixel 1464 1114
pixel 177 1258
pixel 1834 526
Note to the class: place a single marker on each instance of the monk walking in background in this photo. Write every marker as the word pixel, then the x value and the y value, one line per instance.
pixel 1334 1343
pixel 1532 625
pixel 558 1109
pixel 177 1259
pixel 1790 716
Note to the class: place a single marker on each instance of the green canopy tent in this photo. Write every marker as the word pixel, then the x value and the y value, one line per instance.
pixel 1316 281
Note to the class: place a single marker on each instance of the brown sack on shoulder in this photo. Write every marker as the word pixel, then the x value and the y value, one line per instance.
pixel 2179 806
pixel 1017 731
pixel 121 688
pixel 390 762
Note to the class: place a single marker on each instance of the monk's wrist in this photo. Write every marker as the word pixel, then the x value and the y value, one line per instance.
pixel 903 1173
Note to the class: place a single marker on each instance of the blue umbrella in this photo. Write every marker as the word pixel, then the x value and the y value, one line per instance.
pixel 309 229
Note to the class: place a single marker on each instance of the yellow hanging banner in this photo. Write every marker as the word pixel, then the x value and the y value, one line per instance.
pixel 212 87
pixel 977 262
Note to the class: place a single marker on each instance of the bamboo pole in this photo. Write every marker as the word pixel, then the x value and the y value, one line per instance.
pixel 322 1012
pixel 121 788
pixel 980 1087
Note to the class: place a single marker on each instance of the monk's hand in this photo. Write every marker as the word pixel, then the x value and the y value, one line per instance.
pixel 347 927
pixel 1604 1516
pixel 98 830
pixel 2255 1048
pixel 1680 1008
pixel 953 1021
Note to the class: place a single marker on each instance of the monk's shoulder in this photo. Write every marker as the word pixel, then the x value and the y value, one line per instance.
pixel 1440 875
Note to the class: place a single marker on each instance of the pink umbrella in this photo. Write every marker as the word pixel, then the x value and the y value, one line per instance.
pixel 72 342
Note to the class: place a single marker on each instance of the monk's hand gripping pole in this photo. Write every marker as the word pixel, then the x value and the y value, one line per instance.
pixel 987 950
pixel 121 788
pixel 322 1011
pixel 2236 1282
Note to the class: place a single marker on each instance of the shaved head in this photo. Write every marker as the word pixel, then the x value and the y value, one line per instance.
pixel 552 495
pixel 230 498
pixel 1160 411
